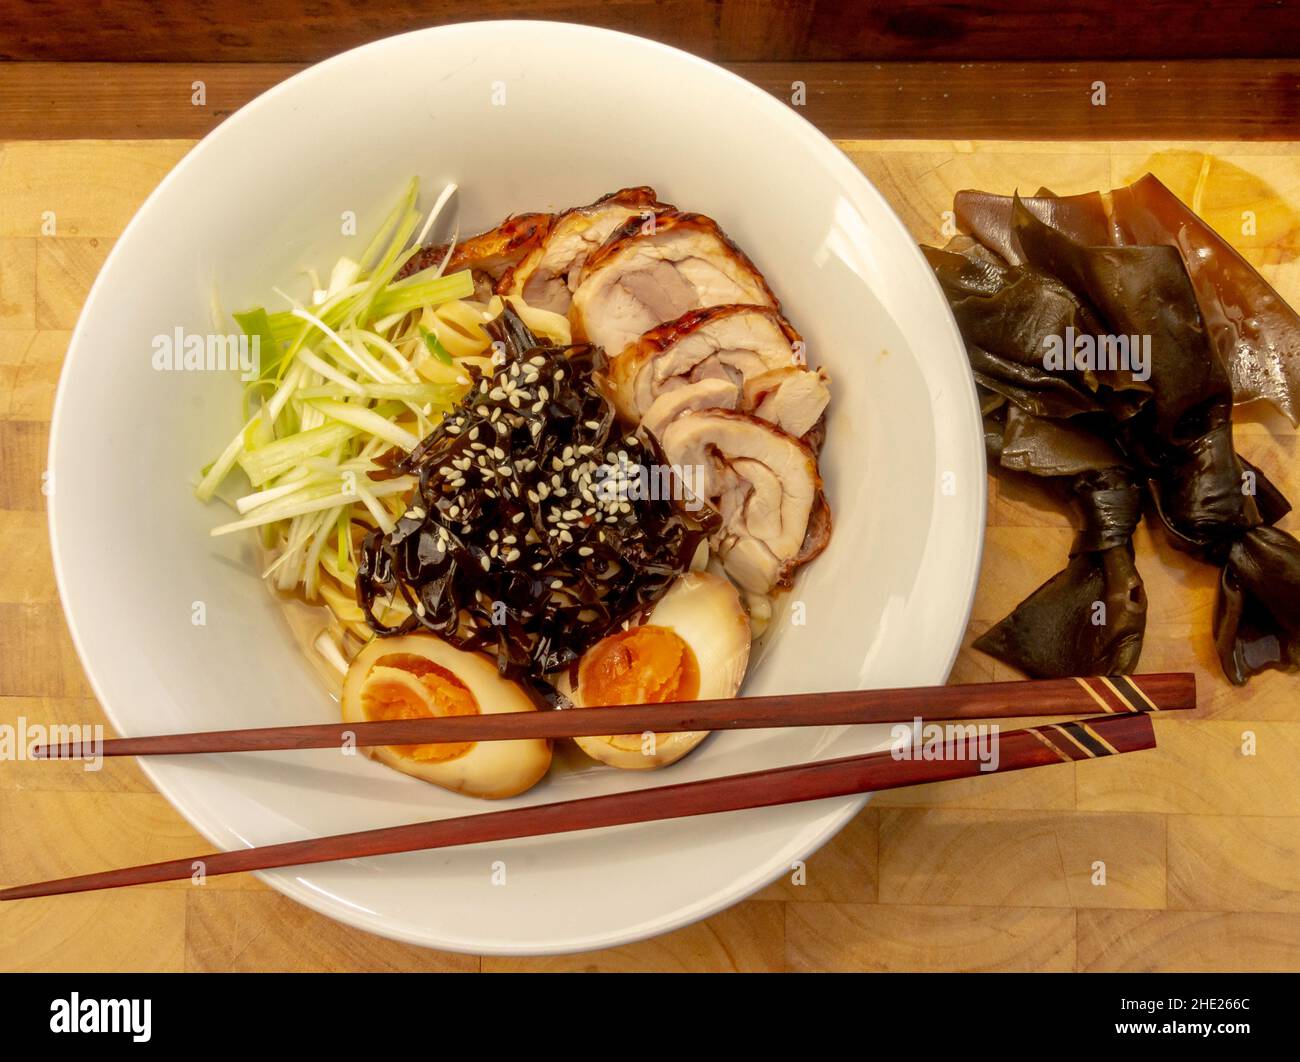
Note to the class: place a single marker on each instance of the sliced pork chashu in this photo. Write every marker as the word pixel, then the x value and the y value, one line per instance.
pixel 765 485
pixel 693 397
pixel 752 348
pixel 489 254
pixel 791 397
pixel 546 276
pixel 645 275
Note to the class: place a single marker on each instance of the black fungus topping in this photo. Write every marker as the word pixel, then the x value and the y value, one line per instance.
pixel 528 537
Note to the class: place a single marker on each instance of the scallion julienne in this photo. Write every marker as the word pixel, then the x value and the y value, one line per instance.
pixel 335 390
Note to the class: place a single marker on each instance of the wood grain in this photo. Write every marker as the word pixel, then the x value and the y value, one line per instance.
pixel 898 938
pixel 910 883
pixel 1025 858
pixel 293 30
pixel 1047 100
pixel 259 930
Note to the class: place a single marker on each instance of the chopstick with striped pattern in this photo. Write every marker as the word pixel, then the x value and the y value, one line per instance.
pixel 1037 746
pixel 1034 698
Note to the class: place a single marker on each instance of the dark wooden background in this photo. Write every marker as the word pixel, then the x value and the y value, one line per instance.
pixel 1018 69
pixel 292 31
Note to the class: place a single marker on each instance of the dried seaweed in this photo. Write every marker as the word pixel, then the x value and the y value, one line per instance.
pixel 1037 266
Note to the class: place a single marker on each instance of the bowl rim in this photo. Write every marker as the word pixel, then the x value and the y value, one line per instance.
pixel 284 880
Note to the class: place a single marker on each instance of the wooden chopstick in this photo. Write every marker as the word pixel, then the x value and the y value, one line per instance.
pixel 1034 698
pixel 1036 746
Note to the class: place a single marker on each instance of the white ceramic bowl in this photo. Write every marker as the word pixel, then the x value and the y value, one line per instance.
pixel 586 111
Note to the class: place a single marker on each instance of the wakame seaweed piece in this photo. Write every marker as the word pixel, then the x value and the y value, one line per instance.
pixel 1142 292
pixel 1044 447
pixel 995 430
pixel 1036 391
pixel 1056 428
pixel 1017 316
pixel 524 539
pixel 1254 331
pixel 1185 436
pixel 1090 617
pixel 1202 494
pixel 1257 610
pixel 970 275
pixel 1202 489
pixel 1012 319
pixel 988 218
pixel 1271 502
pixel 965 267
pixel 1110 500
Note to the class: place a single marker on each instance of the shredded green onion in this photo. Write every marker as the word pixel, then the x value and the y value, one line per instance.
pixel 337 387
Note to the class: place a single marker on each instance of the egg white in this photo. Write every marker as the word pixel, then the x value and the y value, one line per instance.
pixel 704 610
pixel 488 769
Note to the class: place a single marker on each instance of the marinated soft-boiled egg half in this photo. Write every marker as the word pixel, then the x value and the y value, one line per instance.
pixel 694 645
pixel 419 675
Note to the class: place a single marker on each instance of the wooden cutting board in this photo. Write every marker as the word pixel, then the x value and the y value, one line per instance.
pixel 1199 840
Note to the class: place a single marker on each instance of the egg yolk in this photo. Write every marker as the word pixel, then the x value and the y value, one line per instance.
pixel 641 665
pixel 385 700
